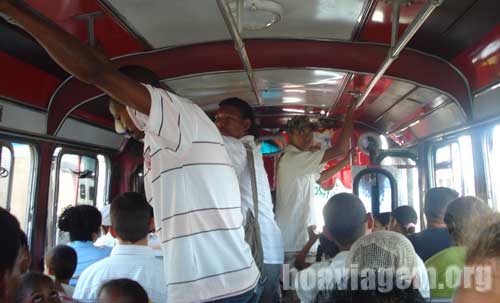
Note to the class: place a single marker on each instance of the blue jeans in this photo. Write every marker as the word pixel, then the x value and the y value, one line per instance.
pixel 252 296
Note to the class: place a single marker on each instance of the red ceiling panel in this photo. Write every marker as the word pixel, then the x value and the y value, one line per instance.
pixel 379 23
pixel 23 82
pixel 111 37
pixel 481 63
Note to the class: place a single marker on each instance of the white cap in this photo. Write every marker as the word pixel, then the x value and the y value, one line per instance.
pixel 385 250
pixel 106 217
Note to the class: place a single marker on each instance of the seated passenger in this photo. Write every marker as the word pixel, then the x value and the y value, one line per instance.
pixel 83 223
pixel 403 220
pixel 327 249
pixel 10 256
pixel 387 256
pixel 122 291
pixel 481 282
pixel 60 265
pixel 346 221
pixel 36 287
pixel 106 239
pixel 26 255
pixel 436 237
pixel 381 221
pixel 463 217
pixel 132 258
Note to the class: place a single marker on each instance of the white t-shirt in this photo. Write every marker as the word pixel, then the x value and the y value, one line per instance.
pixel 191 183
pixel 106 240
pixel 135 262
pixel 297 175
pixel 272 242
pixel 423 278
pixel 320 276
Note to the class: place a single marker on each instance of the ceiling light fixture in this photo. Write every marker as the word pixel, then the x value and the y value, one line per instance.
pixel 292 100
pixel 294 110
pixel 258 14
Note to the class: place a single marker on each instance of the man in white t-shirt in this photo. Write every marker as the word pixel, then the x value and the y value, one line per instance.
pixel 132 258
pixel 188 173
pixel 298 170
pixel 346 221
pixel 106 239
pixel 236 122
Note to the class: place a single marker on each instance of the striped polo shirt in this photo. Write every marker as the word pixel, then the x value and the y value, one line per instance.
pixel 194 191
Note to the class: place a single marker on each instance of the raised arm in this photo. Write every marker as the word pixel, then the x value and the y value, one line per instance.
pixel 77 58
pixel 341 147
pixel 332 171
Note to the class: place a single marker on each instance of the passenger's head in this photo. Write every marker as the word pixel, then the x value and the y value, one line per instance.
pixel 131 218
pixel 346 219
pixel 35 287
pixel 464 218
pixel 10 255
pixel 483 260
pixel 435 204
pixel 61 262
pixel 384 251
pixel 381 221
pixel 122 291
pixel 83 222
pixel 403 220
pixel 300 132
pixel 25 251
pixel 123 122
pixel 235 118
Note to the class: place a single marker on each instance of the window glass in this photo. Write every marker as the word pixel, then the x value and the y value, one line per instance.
pixel 405 171
pixel 18 165
pixel 492 158
pixel 370 183
pixel 454 167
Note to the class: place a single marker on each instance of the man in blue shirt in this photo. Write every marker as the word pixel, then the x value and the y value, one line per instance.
pixel 436 237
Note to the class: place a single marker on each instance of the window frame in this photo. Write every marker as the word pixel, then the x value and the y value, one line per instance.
pixel 9 146
pixel 54 202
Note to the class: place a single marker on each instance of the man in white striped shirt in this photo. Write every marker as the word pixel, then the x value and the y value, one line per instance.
pixel 190 179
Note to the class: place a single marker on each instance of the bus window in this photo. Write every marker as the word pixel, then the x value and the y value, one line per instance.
pixel 492 147
pixel 78 179
pixel 17 168
pixel 405 171
pixel 453 166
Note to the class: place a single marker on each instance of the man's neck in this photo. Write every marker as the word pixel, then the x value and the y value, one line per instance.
pixel 436 225
pixel 142 242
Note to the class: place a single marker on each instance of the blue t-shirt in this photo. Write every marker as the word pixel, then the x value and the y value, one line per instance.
pixel 430 242
pixel 87 255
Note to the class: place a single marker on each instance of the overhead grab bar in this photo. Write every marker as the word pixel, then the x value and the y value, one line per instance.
pixel 396 49
pixel 239 45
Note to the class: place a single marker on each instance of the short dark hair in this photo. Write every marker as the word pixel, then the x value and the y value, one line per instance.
pixel 141 74
pixel 80 221
pixel 29 281
pixel 437 200
pixel 345 218
pixel 131 216
pixel 464 218
pixel 405 215
pixel 383 218
pixel 129 290
pixel 245 110
pixel 10 239
pixel 62 260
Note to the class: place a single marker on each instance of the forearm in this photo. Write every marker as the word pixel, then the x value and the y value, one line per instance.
pixel 332 171
pixel 72 55
pixel 300 259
